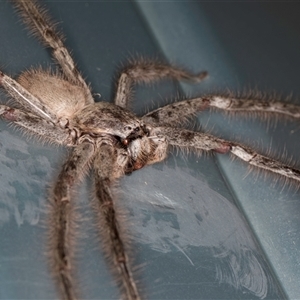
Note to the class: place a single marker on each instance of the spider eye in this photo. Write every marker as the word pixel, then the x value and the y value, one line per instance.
pixel 125 142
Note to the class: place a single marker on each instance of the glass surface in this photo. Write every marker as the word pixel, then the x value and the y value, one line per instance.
pixel 200 228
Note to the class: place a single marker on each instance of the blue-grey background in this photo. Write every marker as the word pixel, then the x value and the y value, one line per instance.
pixel 200 228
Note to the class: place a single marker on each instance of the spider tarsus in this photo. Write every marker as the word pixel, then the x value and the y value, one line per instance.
pixel 265 163
pixel 66 288
pixel 60 247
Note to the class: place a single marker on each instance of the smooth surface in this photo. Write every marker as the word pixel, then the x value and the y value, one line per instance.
pixel 189 237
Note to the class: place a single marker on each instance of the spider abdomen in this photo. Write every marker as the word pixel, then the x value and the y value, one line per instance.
pixel 63 98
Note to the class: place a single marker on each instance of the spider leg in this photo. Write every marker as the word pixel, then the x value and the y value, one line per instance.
pixel 254 105
pixel 177 113
pixel 197 141
pixel 41 25
pixel 61 240
pixel 104 164
pixel 147 71
pixel 254 159
pixel 25 98
pixel 37 125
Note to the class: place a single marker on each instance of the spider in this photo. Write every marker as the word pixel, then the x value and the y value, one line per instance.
pixel 119 143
